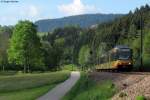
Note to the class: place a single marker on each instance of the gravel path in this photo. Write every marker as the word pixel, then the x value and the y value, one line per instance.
pixel 60 90
pixel 129 84
pixel 140 88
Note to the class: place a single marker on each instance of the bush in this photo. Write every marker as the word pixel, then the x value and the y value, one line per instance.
pixel 147 62
pixel 140 98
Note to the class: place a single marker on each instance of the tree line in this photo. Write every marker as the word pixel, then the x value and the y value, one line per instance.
pixel 21 48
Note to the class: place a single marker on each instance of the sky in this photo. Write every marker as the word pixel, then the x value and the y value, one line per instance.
pixel 33 10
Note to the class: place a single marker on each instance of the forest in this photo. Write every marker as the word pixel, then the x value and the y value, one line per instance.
pixel 83 20
pixel 22 47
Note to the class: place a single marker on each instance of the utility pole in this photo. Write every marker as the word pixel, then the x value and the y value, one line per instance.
pixel 141 26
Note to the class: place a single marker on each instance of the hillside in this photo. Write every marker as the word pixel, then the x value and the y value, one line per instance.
pixel 83 21
pixel 86 46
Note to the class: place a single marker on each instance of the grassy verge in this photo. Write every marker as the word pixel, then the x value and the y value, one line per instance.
pixel 30 86
pixel 70 67
pixel 7 73
pixel 87 89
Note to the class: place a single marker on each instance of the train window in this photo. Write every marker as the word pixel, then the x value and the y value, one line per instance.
pixel 114 56
pixel 124 54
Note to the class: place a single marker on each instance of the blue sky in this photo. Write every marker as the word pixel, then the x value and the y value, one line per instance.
pixel 34 10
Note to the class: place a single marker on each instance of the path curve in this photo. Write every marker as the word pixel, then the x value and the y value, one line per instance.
pixel 61 89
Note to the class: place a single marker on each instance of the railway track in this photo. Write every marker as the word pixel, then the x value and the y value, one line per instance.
pixel 122 71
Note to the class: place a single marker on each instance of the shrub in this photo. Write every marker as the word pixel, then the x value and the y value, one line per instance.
pixel 140 98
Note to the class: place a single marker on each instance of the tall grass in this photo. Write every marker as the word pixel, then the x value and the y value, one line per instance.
pixel 19 82
pixel 27 94
pixel 29 86
pixel 88 89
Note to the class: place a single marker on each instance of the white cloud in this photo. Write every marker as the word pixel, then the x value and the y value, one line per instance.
pixel 29 11
pixel 33 11
pixel 75 8
pixel 25 12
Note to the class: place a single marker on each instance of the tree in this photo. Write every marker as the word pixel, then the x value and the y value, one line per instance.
pixel 67 39
pixel 147 44
pixel 84 56
pixel 146 54
pixel 25 47
pixel 5 33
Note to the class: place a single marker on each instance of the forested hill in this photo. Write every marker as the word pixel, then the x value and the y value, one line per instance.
pixel 86 46
pixel 83 21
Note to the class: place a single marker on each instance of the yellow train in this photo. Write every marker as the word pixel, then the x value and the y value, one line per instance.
pixel 119 58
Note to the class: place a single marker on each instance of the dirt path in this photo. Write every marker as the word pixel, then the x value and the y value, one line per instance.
pixel 60 90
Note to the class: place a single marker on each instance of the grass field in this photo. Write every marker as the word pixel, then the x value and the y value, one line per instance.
pixel 29 86
pixel 87 89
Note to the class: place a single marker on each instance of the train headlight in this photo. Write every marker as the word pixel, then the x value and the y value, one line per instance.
pixel 129 63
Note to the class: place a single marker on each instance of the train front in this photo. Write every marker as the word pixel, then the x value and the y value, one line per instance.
pixel 124 61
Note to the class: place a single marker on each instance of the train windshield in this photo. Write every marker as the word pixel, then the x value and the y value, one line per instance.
pixel 124 54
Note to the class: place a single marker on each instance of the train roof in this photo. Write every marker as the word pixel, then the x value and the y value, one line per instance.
pixel 122 47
